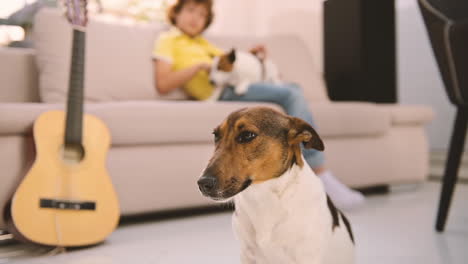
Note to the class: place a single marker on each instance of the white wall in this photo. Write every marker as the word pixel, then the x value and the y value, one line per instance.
pixel 233 17
pixel 418 81
pixel 261 17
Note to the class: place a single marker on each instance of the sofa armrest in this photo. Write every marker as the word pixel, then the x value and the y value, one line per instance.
pixel 409 114
pixel 19 77
pixel 336 119
pixel 350 119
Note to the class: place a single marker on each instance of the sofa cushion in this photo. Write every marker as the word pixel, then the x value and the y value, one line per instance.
pixel 135 122
pixel 118 64
pixel 156 122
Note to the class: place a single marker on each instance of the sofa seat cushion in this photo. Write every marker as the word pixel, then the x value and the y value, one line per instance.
pixel 135 122
pixel 409 114
pixel 165 122
pixel 159 122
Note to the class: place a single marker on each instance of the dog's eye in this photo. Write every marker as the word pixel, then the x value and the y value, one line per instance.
pixel 216 135
pixel 246 137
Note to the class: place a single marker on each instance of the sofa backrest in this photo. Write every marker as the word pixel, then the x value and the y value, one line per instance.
pixel 118 63
pixel 18 75
pixel 117 59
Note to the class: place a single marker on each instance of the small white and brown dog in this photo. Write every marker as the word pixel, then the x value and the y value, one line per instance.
pixel 282 214
pixel 239 69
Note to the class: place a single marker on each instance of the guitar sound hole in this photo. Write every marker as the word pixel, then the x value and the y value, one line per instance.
pixel 73 153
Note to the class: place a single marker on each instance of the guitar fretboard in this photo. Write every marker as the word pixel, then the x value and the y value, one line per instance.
pixel 74 121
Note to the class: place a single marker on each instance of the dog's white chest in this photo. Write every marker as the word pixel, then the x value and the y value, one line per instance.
pixel 285 220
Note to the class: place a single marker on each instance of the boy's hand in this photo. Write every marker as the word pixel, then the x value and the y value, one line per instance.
pixel 204 67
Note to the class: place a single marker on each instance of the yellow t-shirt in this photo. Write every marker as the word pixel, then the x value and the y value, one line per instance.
pixel 182 52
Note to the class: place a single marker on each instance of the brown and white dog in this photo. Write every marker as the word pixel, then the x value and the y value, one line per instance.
pixel 282 214
pixel 239 69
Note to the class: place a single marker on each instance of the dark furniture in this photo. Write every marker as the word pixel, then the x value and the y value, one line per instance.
pixel 359 50
pixel 447 25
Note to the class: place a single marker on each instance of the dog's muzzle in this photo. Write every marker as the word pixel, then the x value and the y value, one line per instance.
pixel 207 184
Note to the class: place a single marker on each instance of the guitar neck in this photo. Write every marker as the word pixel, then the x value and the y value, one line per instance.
pixel 74 119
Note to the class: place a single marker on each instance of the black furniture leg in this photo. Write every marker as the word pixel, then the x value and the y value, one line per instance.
pixel 452 165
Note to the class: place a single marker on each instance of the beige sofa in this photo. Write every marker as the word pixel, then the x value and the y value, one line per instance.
pixel 160 145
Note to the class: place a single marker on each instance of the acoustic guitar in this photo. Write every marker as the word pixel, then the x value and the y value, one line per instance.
pixel 67 198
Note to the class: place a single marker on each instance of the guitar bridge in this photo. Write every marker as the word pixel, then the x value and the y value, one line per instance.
pixel 67 205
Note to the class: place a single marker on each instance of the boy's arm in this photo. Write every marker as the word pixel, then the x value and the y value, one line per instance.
pixel 167 80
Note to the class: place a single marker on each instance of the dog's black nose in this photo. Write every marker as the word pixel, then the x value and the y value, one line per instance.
pixel 212 82
pixel 207 183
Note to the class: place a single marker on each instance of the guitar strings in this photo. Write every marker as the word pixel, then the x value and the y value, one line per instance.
pixel 58 235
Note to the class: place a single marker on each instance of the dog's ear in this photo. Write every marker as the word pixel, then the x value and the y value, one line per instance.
pixel 301 131
pixel 232 56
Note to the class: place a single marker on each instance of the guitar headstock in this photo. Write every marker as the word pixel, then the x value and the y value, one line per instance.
pixel 76 12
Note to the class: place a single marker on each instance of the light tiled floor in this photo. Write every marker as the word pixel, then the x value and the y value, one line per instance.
pixel 395 228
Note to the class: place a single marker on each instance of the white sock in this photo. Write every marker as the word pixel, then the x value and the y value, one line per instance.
pixel 342 196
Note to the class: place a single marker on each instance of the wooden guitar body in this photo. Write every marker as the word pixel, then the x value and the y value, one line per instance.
pixel 67 198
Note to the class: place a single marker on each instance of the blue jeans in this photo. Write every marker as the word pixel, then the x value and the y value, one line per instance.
pixel 290 97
